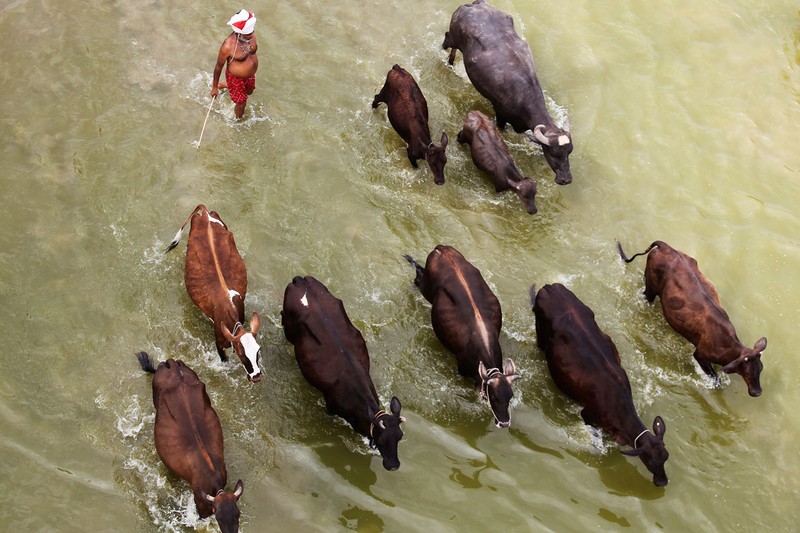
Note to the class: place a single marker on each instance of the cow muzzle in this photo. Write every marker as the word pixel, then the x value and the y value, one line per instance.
pixel 254 379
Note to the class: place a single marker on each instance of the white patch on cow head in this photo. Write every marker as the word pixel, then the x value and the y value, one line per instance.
pixel 212 219
pixel 563 139
pixel 251 349
pixel 232 293
pixel 304 299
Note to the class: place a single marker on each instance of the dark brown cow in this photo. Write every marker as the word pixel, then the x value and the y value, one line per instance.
pixel 466 318
pixel 216 280
pixel 585 365
pixel 408 113
pixel 188 438
pixel 333 357
pixel 491 155
pixel 500 66
pixel 691 306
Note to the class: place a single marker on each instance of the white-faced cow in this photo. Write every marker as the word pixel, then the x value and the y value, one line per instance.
pixel 188 438
pixel 691 306
pixel 585 365
pixel 500 66
pixel 216 280
pixel 490 154
pixel 408 114
pixel 333 357
pixel 466 318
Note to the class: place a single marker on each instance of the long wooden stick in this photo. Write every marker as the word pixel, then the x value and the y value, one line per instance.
pixel 206 120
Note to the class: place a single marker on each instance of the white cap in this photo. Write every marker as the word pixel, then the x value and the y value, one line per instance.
pixel 243 22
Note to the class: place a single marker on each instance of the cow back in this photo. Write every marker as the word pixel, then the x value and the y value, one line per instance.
pixel 214 267
pixel 582 359
pixel 330 350
pixel 465 313
pixel 499 64
pixel 188 433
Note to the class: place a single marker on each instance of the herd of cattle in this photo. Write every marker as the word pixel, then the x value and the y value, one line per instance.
pixel 466 315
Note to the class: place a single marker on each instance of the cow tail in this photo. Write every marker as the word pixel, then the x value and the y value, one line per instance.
pixel 420 270
pixel 634 256
pixel 178 235
pixel 145 362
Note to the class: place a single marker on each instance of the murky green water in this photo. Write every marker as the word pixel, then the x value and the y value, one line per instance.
pixel 684 117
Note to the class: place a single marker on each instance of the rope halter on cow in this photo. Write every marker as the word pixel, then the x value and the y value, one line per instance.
pixel 485 388
pixel 637 437
pixel 376 419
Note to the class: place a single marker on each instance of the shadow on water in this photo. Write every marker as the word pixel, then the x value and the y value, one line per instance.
pixel 358 519
pixel 528 443
pixel 353 467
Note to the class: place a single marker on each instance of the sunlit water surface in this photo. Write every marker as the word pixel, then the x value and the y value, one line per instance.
pixel 684 117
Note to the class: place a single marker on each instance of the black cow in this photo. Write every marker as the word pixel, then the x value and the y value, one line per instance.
pixel 466 318
pixel 333 357
pixel 500 66
pixel 491 155
pixel 691 306
pixel 585 365
pixel 408 113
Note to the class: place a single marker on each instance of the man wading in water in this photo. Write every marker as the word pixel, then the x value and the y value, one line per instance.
pixel 238 51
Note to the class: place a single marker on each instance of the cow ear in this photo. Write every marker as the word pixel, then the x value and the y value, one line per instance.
pixel 509 368
pixel 731 367
pixel 239 489
pixel 482 371
pixel 659 427
pixel 206 497
pixel 227 333
pixel 760 345
pixel 444 140
pixel 370 413
pixel 395 406
pixel 255 323
pixel 631 452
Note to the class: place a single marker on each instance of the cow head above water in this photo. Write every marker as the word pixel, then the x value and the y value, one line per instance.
pixel 496 390
pixel 385 433
pixel 245 345
pixel 556 145
pixel 225 508
pixel 436 158
pixel 749 366
pixel 649 447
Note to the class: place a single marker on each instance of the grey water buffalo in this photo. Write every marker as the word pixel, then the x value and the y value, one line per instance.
pixel 216 280
pixel 333 358
pixel 490 154
pixel 500 66
pixel 466 319
pixel 188 439
pixel 408 114
pixel 691 306
pixel 585 365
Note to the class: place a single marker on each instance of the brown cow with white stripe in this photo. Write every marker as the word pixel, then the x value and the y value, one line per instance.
pixel 216 280
pixel 466 318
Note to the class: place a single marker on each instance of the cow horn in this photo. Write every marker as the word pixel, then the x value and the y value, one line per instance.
pixel 539 136
pixel 381 424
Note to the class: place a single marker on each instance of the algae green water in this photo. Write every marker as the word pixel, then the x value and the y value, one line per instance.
pixel 684 117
